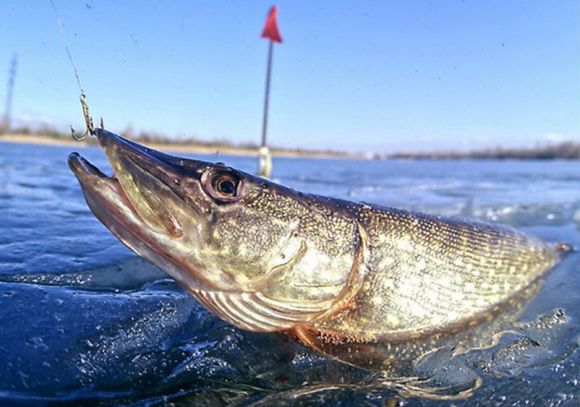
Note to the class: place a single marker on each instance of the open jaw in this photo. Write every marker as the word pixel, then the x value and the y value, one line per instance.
pixel 137 204
pixel 110 204
pixel 107 200
pixel 127 202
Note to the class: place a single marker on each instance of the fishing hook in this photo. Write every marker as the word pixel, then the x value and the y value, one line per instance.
pixel 90 129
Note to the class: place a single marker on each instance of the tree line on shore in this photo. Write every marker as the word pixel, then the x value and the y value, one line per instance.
pixel 150 137
pixel 566 150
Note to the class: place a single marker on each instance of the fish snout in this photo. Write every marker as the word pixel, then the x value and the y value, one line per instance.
pixel 147 181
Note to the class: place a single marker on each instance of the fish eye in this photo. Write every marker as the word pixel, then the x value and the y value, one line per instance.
pixel 223 186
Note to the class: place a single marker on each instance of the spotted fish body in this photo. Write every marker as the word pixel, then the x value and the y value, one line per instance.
pixel 267 258
pixel 425 274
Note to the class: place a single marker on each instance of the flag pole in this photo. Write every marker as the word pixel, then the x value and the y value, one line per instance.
pixel 267 93
pixel 272 33
pixel 264 156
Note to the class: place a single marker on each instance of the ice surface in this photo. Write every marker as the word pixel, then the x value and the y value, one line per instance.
pixel 83 319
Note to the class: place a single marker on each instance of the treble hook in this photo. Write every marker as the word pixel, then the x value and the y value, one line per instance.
pixel 90 129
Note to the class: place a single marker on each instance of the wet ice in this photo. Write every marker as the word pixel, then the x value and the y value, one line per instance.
pixel 84 319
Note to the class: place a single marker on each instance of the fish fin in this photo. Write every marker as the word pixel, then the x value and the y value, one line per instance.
pixel 350 349
pixel 320 337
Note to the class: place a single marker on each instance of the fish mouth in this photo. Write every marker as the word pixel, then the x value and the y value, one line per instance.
pixel 141 181
pixel 141 204
pixel 104 195
pixel 147 179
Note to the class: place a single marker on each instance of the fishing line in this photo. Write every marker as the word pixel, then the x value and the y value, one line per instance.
pixel 84 104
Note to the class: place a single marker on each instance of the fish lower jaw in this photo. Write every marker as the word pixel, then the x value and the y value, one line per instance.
pixel 95 182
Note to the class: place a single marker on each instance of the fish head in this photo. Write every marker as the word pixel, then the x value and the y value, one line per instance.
pixel 245 247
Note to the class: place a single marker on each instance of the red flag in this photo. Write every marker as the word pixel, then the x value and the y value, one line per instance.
pixel 271 28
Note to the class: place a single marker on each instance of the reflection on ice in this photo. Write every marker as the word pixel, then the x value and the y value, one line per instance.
pixel 129 274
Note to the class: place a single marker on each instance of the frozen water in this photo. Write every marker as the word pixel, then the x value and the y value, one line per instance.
pixel 85 320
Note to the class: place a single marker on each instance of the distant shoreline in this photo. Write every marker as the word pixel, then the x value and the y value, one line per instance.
pixel 567 150
pixel 41 139
pixel 561 151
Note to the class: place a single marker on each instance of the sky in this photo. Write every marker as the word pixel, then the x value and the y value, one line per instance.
pixel 360 76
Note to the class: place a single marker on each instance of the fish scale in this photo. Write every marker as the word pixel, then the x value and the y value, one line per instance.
pixel 499 260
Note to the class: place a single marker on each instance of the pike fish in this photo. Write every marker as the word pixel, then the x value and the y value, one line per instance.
pixel 330 272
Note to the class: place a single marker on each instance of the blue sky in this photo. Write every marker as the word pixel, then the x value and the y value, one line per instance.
pixel 364 76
